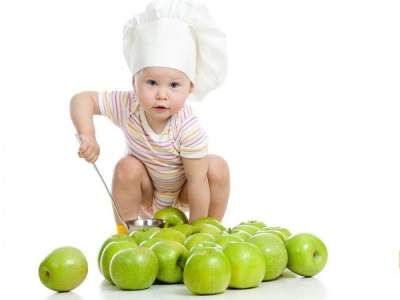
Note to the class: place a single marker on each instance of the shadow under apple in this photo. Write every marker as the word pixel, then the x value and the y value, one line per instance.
pixel 64 296
pixel 291 285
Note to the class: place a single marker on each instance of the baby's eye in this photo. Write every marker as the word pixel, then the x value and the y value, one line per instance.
pixel 151 82
pixel 174 85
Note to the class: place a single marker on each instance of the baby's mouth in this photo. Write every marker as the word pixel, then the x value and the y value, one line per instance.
pixel 160 107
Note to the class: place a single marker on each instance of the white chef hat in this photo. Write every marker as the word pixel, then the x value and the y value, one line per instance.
pixel 178 34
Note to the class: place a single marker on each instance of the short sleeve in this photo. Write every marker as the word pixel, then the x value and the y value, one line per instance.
pixel 191 138
pixel 116 105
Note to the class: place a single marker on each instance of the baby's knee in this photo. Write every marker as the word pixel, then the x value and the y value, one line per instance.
pixel 129 168
pixel 218 168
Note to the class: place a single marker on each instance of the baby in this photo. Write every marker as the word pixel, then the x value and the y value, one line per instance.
pixel 175 52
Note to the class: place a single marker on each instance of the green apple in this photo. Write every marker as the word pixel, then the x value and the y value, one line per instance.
pixel 206 228
pixel 134 268
pixel 236 232
pixel 284 230
pixel 274 252
pixel 307 254
pixel 197 238
pixel 258 224
pixel 185 228
pixel 203 245
pixel 150 242
pixel 169 234
pixel 172 216
pixel 247 265
pixel 113 238
pixel 141 234
pixel 222 240
pixel 250 229
pixel 63 269
pixel 209 220
pixel 278 233
pixel 171 257
pixel 109 251
pixel 207 272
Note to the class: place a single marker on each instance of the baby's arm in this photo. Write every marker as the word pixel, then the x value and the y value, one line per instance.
pixel 198 187
pixel 83 107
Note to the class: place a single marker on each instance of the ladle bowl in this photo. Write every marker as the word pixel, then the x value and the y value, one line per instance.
pixel 132 225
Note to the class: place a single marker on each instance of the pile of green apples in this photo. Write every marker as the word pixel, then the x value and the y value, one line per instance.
pixel 205 256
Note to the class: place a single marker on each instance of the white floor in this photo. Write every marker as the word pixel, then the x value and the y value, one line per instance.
pixel 353 285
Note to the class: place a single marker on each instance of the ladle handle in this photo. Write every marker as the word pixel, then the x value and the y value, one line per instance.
pixel 105 185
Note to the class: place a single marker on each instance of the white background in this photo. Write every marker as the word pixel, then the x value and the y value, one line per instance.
pixel 308 120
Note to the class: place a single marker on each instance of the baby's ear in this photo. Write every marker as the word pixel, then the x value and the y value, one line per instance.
pixel 133 81
pixel 191 90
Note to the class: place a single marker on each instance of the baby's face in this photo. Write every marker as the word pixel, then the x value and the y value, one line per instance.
pixel 161 92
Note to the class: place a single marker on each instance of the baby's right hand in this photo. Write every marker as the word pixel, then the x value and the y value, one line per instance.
pixel 88 149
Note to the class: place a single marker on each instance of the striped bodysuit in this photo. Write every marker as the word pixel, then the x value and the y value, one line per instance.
pixel 160 153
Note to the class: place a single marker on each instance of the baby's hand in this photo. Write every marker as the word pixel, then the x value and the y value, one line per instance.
pixel 89 149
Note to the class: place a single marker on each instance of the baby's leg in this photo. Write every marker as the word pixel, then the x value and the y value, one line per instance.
pixel 219 181
pixel 131 188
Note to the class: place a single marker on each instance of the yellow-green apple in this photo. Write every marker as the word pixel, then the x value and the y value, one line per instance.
pixel 255 223
pixel 207 272
pixel 113 238
pixel 236 232
pixel 274 252
pixel 197 238
pixel 224 239
pixel 286 232
pixel 307 254
pixel 247 265
pixel 209 220
pixel 109 251
pixel 134 268
pixel 150 242
pixel 250 229
pixel 203 245
pixel 186 228
pixel 63 269
pixel 171 257
pixel 141 234
pixel 278 233
pixel 206 228
pixel 169 234
pixel 172 216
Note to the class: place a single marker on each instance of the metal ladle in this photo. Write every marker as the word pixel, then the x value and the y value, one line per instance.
pixel 131 225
